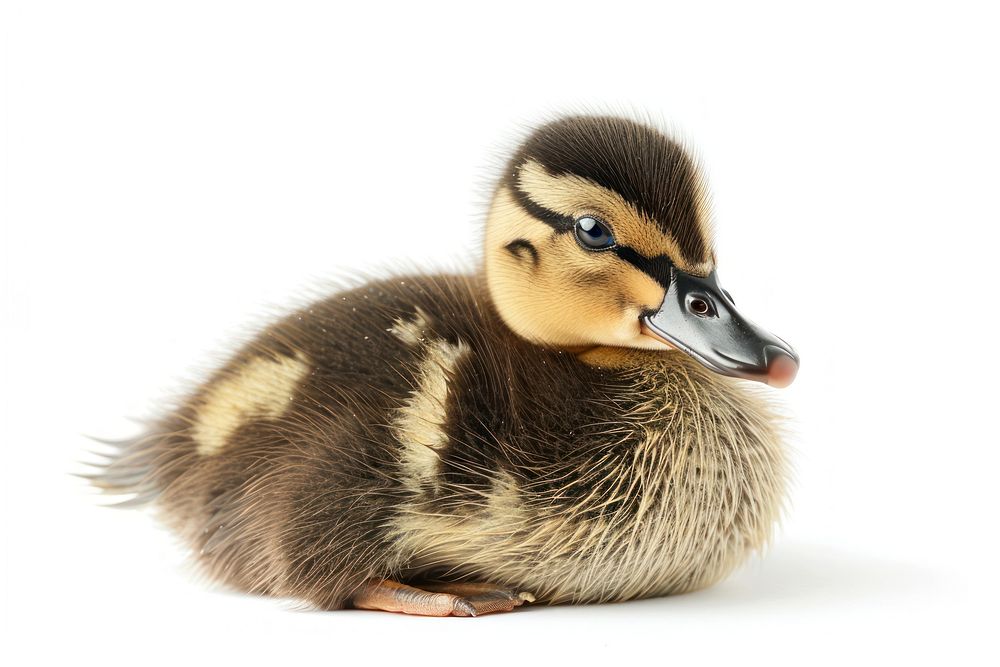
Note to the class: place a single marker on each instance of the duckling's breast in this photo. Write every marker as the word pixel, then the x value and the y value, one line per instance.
pixel 580 483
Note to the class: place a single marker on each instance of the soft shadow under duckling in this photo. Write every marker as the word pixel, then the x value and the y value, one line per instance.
pixel 556 428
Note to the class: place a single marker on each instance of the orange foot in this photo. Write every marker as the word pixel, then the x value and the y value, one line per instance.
pixel 439 599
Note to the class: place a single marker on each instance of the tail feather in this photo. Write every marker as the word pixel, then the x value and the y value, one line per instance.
pixel 128 470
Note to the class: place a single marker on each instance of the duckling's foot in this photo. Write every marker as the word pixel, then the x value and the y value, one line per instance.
pixel 484 598
pixel 459 599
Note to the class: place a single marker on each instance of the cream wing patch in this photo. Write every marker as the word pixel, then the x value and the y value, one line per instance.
pixel 411 331
pixel 262 388
pixel 421 420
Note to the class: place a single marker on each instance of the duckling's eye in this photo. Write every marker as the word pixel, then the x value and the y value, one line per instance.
pixel 700 306
pixel 593 234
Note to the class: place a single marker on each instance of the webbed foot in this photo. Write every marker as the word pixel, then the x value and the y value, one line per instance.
pixel 439 599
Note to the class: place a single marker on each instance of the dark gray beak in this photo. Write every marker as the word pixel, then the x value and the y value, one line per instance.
pixel 699 317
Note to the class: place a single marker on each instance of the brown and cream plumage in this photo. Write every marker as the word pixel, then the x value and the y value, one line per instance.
pixel 557 427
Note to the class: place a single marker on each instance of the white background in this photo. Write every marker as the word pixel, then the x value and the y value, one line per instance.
pixel 174 174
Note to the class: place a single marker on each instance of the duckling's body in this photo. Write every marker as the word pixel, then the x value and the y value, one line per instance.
pixel 402 432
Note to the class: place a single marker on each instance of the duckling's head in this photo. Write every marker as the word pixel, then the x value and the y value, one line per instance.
pixel 599 235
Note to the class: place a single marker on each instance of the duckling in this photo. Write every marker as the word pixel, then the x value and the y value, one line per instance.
pixel 569 424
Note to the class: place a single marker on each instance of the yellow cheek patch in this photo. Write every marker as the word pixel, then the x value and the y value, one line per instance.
pixel 575 196
pixel 262 388
pixel 554 302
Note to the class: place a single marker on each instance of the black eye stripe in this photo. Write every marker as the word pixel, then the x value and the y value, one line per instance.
pixel 659 268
